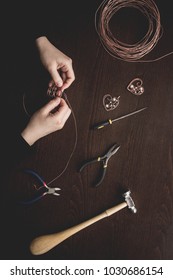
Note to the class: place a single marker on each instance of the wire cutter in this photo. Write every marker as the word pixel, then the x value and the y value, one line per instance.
pixel 105 158
pixel 42 190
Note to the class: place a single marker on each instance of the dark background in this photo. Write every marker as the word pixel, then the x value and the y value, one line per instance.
pixel 143 163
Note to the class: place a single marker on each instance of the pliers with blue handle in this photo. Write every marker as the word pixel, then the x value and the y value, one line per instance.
pixel 43 190
pixel 105 158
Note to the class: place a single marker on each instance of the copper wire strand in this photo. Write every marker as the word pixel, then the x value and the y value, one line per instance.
pixel 76 136
pixel 24 106
pixel 75 142
pixel 124 51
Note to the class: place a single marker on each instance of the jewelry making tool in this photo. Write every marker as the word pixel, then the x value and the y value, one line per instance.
pixel 42 190
pixel 110 121
pixel 104 159
pixel 45 243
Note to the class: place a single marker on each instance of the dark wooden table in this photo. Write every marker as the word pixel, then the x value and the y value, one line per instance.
pixel 143 163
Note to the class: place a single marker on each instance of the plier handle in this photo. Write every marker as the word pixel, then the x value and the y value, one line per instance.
pixel 42 190
pixel 104 159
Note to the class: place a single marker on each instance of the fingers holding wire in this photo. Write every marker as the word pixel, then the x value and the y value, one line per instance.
pixel 68 76
pixel 62 114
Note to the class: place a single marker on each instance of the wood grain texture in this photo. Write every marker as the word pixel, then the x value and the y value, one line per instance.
pixel 143 164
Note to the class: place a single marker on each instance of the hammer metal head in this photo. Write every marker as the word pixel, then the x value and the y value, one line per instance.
pixel 129 201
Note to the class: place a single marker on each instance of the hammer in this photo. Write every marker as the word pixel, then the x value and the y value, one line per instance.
pixel 43 244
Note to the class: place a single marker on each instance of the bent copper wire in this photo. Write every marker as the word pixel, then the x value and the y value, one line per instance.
pixel 42 190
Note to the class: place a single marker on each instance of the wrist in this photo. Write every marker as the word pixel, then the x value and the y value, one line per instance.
pixel 28 137
pixel 41 42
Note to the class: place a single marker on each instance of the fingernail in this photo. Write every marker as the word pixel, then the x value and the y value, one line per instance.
pixel 59 83
pixel 50 84
pixel 57 98
pixel 59 93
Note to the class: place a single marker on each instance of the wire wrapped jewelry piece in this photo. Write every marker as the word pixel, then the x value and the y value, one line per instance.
pixel 110 103
pixel 135 86
pixel 51 92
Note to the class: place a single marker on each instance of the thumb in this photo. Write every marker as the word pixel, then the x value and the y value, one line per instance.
pixel 56 77
pixel 51 105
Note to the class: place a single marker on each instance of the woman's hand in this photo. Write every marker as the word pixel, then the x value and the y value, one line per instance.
pixel 57 64
pixel 46 120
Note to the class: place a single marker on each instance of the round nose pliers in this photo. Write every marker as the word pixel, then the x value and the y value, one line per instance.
pixel 42 190
pixel 104 159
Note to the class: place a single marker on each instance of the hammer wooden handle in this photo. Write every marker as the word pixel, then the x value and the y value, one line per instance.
pixel 43 244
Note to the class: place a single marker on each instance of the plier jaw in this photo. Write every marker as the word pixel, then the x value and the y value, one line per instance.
pixel 105 158
pixel 111 151
pixel 41 191
pixel 53 190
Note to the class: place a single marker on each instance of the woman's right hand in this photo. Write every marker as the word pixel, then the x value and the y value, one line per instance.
pixel 46 120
